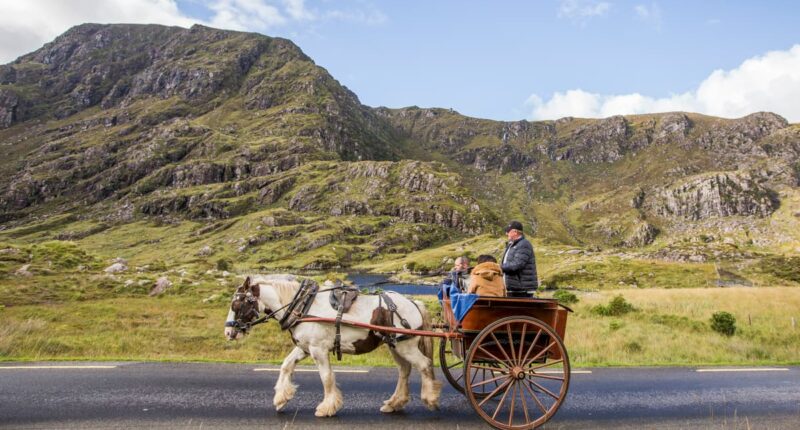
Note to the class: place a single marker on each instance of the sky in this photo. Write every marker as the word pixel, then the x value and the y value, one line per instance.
pixel 503 60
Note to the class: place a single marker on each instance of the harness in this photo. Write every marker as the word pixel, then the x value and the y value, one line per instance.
pixel 342 297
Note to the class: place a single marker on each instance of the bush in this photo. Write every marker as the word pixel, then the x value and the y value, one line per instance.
pixel 618 306
pixel 224 264
pixel 60 255
pixel 723 323
pixel 565 297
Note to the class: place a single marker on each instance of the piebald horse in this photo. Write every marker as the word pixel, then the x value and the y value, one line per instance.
pixel 266 294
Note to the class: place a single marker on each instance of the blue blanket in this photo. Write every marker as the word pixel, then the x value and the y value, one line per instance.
pixel 460 302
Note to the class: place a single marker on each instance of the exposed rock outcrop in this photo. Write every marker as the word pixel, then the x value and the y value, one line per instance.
pixel 714 195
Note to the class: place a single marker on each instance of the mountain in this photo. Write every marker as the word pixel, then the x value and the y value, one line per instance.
pixel 185 146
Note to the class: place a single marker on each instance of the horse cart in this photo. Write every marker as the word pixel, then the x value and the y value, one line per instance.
pixel 505 354
pixel 508 358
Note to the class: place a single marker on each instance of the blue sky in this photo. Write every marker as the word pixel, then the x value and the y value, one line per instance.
pixel 526 59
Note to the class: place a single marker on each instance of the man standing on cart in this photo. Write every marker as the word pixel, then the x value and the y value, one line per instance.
pixel 519 263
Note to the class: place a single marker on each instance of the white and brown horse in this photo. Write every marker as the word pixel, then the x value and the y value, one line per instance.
pixel 265 294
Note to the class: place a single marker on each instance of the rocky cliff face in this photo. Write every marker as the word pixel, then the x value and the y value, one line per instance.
pixel 123 123
pixel 715 195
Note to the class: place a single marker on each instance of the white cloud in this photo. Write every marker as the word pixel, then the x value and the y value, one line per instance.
pixel 297 10
pixel 580 11
pixel 770 82
pixel 27 25
pixel 254 15
pixel 370 16
pixel 650 14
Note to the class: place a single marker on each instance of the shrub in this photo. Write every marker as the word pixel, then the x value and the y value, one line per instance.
pixel 615 325
pixel 224 264
pixel 565 297
pixel 633 347
pixel 60 255
pixel 723 323
pixel 618 306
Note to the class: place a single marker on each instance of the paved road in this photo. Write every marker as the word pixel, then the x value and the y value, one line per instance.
pixel 158 395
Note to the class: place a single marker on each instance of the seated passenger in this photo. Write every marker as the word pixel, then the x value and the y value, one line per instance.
pixel 459 275
pixel 486 279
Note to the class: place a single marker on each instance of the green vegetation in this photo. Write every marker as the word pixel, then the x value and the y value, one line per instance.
pixel 254 159
pixel 618 306
pixel 565 297
pixel 723 323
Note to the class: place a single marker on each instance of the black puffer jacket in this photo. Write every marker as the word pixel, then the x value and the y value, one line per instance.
pixel 519 269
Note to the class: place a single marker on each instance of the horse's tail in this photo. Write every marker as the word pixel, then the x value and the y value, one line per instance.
pixel 425 342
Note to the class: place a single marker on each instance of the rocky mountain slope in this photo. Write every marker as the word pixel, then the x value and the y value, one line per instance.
pixel 238 144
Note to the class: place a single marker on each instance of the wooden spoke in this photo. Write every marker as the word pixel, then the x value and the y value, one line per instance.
pixel 513 400
pixel 503 350
pixel 549 363
pixel 494 392
pixel 494 369
pixel 530 348
pixel 484 382
pixel 490 354
pixel 539 375
pixel 536 398
pixel 539 354
pixel 543 389
pixel 524 403
pixel 511 344
pixel 455 365
pixel 502 399
pixel 521 345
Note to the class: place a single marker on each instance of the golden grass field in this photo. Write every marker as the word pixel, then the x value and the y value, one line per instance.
pixel 670 327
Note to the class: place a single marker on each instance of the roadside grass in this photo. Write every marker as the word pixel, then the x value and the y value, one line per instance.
pixel 669 328
pixel 672 328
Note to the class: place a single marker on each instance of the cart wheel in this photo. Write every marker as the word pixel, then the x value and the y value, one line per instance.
pixel 530 373
pixel 451 360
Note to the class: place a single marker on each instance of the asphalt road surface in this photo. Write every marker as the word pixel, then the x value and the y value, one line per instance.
pixel 210 396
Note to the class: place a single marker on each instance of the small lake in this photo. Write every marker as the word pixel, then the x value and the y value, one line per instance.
pixel 377 281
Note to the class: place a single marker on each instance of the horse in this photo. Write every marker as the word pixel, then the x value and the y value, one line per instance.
pixel 271 294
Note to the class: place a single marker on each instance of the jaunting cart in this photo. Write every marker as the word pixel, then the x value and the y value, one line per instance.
pixel 506 355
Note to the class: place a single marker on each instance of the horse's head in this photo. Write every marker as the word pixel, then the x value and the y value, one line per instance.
pixel 243 311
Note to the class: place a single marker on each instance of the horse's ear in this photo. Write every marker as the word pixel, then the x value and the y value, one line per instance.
pixel 246 282
pixel 256 290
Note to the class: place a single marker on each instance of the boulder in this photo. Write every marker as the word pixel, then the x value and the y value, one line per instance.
pixel 23 271
pixel 160 286
pixel 116 268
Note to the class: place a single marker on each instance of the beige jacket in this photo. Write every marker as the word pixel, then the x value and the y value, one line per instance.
pixel 486 279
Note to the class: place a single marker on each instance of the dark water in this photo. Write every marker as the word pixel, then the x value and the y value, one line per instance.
pixel 369 280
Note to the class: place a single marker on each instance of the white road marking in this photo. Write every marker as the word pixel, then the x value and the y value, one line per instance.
pixel 55 367
pixel 272 369
pixel 755 369
pixel 572 372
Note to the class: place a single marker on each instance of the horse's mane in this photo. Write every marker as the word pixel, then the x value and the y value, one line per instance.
pixel 285 285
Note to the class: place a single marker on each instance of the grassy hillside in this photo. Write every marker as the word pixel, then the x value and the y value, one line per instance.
pixel 198 154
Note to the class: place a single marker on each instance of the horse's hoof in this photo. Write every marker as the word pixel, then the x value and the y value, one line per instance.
pixel 432 406
pixel 386 409
pixel 323 412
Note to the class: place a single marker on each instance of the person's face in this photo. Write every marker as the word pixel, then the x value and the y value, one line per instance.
pixel 512 234
pixel 462 264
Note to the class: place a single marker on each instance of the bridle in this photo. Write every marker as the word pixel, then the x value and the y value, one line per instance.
pixel 246 314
